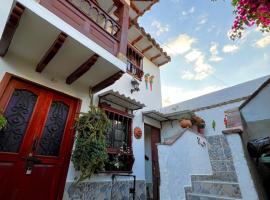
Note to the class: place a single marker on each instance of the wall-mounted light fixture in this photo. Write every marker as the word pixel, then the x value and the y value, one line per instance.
pixel 135 84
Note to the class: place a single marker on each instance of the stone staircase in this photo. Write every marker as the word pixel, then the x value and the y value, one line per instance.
pixel 214 187
pixel 223 184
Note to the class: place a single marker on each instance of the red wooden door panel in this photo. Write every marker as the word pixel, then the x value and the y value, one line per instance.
pixel 155 139
pixel 36 145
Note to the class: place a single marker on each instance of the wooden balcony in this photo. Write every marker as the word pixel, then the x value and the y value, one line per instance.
pixel 109 30
pixel 135 62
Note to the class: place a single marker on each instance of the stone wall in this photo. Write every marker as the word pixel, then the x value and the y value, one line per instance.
pixel 107 190
pixel 221 158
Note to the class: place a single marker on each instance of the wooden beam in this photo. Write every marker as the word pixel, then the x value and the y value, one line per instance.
pixel 82 69
pixel 147 48
pixel 137 39
pixel 155 57
pixel 52 51
pixel 163 63
pixel 135 8
pixel 107 82
pixel 10 28
pixel 123 33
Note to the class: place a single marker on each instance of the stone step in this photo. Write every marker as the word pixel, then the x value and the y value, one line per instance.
pixel 196 196
pixel 218 188
pixel 218 176
pixel 188 189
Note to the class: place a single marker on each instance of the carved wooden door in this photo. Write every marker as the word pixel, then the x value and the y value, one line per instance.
pixel 35 146
pixel 155 139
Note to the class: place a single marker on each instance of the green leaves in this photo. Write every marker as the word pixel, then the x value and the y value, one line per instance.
pixel 90 153
pixel 3 121
pixel 234 2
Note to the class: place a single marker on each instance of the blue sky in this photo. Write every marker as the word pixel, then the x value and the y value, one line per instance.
pixel 204 59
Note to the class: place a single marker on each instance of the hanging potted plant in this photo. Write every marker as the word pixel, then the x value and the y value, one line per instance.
pixel 3 120
pixel 199 122
pixel 90 153
pixel 185 121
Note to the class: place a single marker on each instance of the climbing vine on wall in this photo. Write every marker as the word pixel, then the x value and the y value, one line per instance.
pixel 90 153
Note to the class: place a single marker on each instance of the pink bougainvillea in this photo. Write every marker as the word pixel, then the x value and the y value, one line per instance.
pixel 249 13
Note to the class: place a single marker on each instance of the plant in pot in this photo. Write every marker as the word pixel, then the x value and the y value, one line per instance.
pixel 122 161
pixel 3 120
pixel 199 122
pixel 185 120
pixel 90 153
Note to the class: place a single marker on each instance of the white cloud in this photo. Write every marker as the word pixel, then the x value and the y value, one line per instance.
pixel 201 69
pixel 214 53
pixel 263 42
pixel 159 27
pixel 193 55
pixel 203 21
pixel 175 1
pixel 230 48
pixel 172 95
pixel 188 12
pixel 179 45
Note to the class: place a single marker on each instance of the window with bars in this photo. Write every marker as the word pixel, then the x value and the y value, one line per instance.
pixel 118 134
pixel 118 139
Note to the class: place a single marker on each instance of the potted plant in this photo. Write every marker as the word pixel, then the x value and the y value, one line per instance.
pixel 3 120
pixel 185 123
pixel 122 161
pixel 186 120
pixel 199 122
pixel 90 153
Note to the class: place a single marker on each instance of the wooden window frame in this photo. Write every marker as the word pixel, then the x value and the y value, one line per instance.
pixel 138 67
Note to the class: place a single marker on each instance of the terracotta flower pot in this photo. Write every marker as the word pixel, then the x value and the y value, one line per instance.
pixel 185 123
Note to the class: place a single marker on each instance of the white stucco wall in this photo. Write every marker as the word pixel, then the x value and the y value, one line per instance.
pixel 243 173
pixel 217 114
pixel 258 108
pixel 152 99
pixel 180 160
pixel 4 10
pixel 227 94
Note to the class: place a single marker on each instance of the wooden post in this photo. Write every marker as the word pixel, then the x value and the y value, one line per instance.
pixel 123 34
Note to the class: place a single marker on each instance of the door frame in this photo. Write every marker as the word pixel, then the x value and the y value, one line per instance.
pixel 3 85
pixel 157 181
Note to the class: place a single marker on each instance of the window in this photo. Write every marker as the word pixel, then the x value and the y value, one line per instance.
pixel 118 140
pixel 118 134
pixel 135 62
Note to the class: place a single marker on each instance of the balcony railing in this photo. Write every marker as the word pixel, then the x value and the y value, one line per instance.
pixel 135 62
pixel 90 19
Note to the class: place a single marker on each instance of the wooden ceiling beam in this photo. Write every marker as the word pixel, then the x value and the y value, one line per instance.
pixel 135 8
pixel 163 63
pixel 82 69
pixel 10 28
pixel 137 39
pixel 147 49
pixel 155 57
pixel 52 51
pixel 107 82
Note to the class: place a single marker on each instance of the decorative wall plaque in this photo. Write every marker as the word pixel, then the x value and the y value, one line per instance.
pixel 137 132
